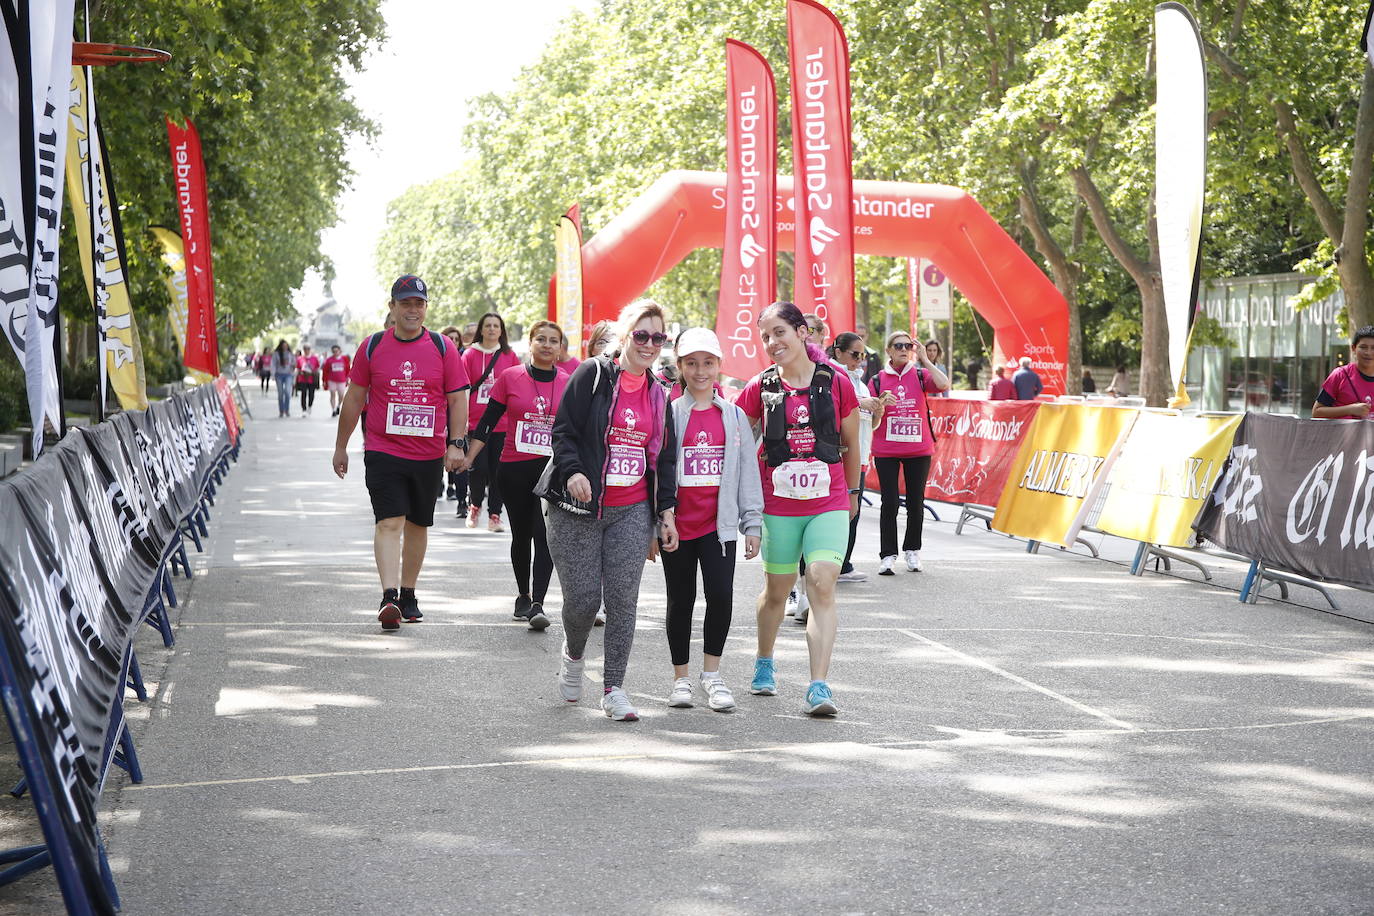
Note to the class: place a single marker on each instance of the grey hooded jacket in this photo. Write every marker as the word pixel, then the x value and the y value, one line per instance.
pixel 740 506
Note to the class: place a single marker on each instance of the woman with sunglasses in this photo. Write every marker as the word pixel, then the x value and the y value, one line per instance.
pixel 903 444
pixel 529 395
pixel 489 356
pixel 612 482
pixel 809 457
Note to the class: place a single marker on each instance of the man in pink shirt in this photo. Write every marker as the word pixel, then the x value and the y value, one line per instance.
pixel 414 388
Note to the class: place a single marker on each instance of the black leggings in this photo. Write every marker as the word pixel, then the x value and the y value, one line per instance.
pixel 266 378
pixel 526 514
pixel 718 582
pixel 915 471
pixel 484 473
pixel 307 390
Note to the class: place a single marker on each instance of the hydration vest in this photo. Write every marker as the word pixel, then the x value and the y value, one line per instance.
pixel 777 450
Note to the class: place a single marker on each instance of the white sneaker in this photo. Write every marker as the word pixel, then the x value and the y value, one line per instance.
pixel 600 618
pixel 718 696
pixel 792 603
pixel 803 605
pixel 885 566
pixel 681 697
pixel 570 677
pixel 853 576
pixel 913 561
pixel 617 706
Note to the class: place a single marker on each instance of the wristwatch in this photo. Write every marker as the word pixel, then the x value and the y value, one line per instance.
pixel 461 444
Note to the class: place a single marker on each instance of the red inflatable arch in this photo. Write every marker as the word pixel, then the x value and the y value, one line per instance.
pixel 684 211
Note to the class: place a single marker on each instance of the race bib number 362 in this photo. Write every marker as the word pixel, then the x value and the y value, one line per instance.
pixel 625 465
pixel 410 420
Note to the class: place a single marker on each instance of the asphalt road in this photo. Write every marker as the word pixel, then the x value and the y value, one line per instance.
pixel 1019 733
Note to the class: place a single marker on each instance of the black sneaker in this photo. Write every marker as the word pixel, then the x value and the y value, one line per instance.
pixel 390 615
pixel 538 619
pixel 522 607
pixel 410 610
pixel 463 508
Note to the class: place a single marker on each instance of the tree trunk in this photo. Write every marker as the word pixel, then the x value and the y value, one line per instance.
pixel 1353 266
pixel 1064 272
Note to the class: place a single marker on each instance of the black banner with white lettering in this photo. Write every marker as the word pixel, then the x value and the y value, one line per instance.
pixel 82 535
pixel 1299 495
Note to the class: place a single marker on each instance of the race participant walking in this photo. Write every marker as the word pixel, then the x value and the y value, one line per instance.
pixel 611 483
pixel 719 497
pixel 849 354
pixel 484 361
pixel 808 413
pixel 456 480
pixel 903 444
pixel 566 362
pixel 1348 392
pixel 337 365
pixel 413 385
pixel 529 395
pixel 262 364
pixel 307 378
pixel 284 372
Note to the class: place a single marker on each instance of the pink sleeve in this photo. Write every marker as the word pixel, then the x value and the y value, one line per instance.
pixel 361 371
pixel 749 400
pixel 928 382
pixel 455 375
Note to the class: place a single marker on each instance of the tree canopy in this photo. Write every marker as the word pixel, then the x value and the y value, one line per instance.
pixel 265 83
pixel 1044 111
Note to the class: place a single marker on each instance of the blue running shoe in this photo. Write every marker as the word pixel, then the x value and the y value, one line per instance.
pixel 819 702
pixel 765 683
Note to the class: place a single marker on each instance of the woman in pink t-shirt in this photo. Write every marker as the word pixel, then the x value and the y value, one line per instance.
pixel 903 443
pixel 808 413
pixel 528 395
pixel 489 356
pixel 1348 392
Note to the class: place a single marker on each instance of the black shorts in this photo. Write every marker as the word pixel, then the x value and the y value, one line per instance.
pixel 403 486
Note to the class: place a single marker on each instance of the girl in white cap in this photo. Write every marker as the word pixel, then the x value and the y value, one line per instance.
pixel 719 497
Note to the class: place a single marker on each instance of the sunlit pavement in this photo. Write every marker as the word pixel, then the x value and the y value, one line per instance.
pixel 1018 733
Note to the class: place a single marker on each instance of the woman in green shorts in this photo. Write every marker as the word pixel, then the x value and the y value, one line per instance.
pixel 809 457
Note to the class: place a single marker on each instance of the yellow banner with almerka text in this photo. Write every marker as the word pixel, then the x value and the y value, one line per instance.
pixel 1163 477
pixel 1067 448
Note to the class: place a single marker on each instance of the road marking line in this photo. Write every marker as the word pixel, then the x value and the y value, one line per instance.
pixel 695 753
pixel 1016 678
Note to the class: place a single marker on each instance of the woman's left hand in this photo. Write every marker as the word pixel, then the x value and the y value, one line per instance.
pixel 669 535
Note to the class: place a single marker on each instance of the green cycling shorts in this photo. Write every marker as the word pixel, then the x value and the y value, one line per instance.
pixel 822 538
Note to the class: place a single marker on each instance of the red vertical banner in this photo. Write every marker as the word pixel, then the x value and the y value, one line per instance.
pixel 202 343
pixel 821 156
pixel 748 267
pixel 913 289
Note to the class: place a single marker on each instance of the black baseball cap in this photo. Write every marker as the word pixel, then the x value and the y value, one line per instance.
pixel 409 286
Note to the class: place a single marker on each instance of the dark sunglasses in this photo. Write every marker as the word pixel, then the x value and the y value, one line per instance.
pixel 657 338
pixel 903 346
pixel 854 353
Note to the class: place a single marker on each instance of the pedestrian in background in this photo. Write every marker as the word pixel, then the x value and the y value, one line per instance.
pixel 1348 392
pixel 1001 389
pixel 284 372
pixel 489 356
pixel 307 378
pixel 1026 381
pixel 903 444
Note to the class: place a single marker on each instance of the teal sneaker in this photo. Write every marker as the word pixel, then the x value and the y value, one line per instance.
pixel 765 683
pixel 819 701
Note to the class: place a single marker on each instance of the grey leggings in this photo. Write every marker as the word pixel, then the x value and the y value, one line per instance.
pixel 601 560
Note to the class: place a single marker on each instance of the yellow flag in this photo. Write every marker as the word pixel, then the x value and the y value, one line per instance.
pixel 568 278
pixel 175 258
pixel 99 238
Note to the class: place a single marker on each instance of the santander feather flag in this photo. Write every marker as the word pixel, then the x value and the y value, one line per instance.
pixel 821 155
pixel 567 283
pixel 748 267
pixel 202 338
